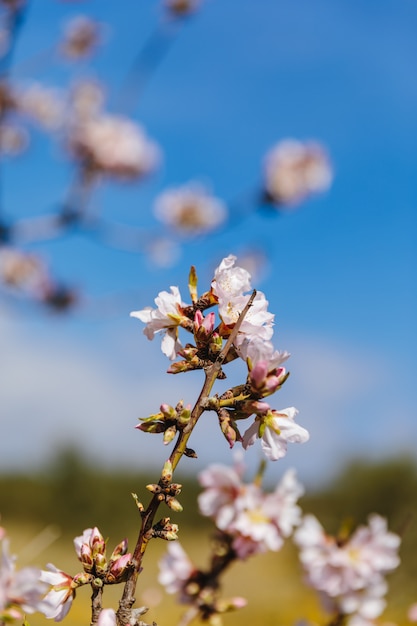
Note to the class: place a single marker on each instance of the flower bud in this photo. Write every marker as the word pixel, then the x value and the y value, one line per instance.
pixel 86 557
pixel 169 434
pixel 100 563
pixel 173 504
pixel 119 567
pixel 119 550
pixel 166 473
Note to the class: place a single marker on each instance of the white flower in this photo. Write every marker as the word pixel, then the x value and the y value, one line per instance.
pixel 59 599
pixel 294 170
pixel 230 281
pixel 276 428
pixel 255 349
pixel 165 318
pixel 257 321
pixel 175 568
pixel 190 210
pixel 114 145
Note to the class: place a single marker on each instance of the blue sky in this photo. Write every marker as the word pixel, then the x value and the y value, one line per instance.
pixel 341 269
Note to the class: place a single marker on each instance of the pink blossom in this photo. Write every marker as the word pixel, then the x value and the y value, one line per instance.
pixel 107 618
pixel 175 568
pixel 349 575
pixel 256 521
pixel 21 591
pixel 165 318
pixel 412 613
pixel 275 429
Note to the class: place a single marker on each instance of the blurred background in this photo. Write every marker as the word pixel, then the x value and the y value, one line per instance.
pixel 215 90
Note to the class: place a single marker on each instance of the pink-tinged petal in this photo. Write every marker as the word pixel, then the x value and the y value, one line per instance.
pixel 412 613
pixel 82 539
pixel 250 435
pixel 107 618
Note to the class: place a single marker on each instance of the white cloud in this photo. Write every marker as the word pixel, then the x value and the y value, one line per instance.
pixel 62 387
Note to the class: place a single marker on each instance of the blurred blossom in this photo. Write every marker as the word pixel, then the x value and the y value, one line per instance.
pixel 182 7
pixel 163 252
pixel 256 521
pixel 22 270
pixel 175 568
pixel 13 139
pixel 21 591
pixel 412 613
pixel 81 37
pixel 87 99
pixel 295 170
pixel 190 210
pixel 349 573
pixel 113 146
pixel 107 617
pixel 44 105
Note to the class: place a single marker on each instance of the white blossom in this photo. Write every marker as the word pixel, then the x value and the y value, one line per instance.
pixel 114 145
pixel 294 170
pixel 190 210
pixel 275 429
pixel 165 318
pixel 59 599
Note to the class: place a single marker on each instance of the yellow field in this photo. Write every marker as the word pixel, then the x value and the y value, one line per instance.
pixel 271 583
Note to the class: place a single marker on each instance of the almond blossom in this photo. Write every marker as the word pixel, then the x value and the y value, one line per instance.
pixel 59 599
pixel 294 170
pixel 190 210
pixel 349 574
pixel 114 146
pixel 21 591
pixel 229 281
pixel 256 521
pixel 175 568
pixel 275 429
pixel 165 318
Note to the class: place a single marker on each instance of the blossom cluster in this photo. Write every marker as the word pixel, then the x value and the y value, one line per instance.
pixel 90 548
pixel 256 521
pixel 248 521
pixel 251 343
pixel 349 572
pixel 21 591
